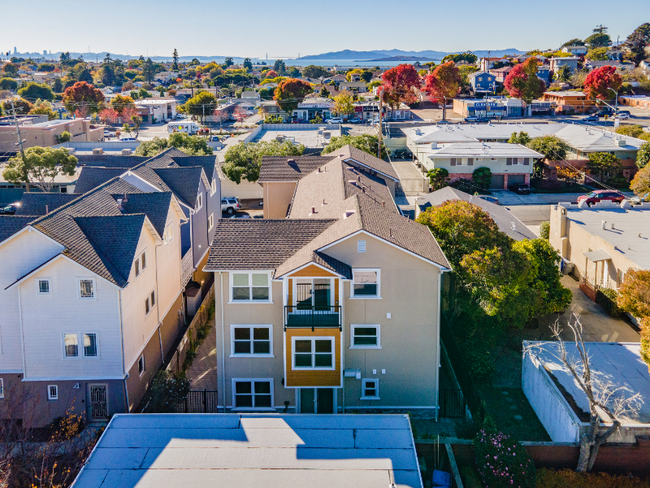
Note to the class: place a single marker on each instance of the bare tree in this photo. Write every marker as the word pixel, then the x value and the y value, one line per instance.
pixel 614 403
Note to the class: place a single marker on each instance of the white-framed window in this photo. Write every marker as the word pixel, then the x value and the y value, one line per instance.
pixel 140 263
pixel 251 340
pixel 43 286
pixel 168 235
pixel 86 288
pixel 361 246
pixel 149 302
pixel 141 366
pixel 366 283
pixel 313 353
pixel 252 393
pixel 211 221
pixel 213 187
pixel 2 388
pixel 71 345
pixel 365 336
pixel 250 286
pixel 90 344
pixel 370 389
pixel 199 202
pixel 52 392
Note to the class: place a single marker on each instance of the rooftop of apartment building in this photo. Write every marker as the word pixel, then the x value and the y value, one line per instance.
pixel 626 229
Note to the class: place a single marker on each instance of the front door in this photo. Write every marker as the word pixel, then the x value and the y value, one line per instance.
pixel 317 400
pixel 98 402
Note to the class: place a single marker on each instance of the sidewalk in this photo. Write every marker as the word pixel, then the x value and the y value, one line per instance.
pixel 507 197
pixel 203 371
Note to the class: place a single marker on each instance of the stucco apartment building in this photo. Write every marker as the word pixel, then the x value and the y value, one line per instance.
pixel 321 312
pixel 603 241
pixel 569 101
pixel 640 101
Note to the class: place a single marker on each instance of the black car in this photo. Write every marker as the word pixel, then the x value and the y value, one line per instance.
pixel 591 118
pixel 7 210
pixel 520 189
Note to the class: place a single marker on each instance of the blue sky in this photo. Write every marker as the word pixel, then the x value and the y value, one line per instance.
pixel 283 28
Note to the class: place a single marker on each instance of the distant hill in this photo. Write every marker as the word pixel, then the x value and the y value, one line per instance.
pixel 399 55
pixel 403 58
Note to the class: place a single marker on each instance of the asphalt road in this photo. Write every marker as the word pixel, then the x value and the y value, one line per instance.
pixel 531 214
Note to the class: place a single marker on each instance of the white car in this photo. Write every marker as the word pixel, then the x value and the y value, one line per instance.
pixel 623 116
pixel 335 120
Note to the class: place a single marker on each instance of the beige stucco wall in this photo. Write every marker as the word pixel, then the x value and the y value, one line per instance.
pixel 277 197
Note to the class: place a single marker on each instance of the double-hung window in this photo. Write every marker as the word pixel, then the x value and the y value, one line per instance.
pixel 365 283
pixel 199 202
pixel 52 392
pixel 88 340
pixel 252 393
pixel 86 288
pixel 252 340
pixel 250 287
pixel 149 302
pixel 71 345
pixel 43 286
pixel 90 345
pixel 365 336
pixel 370 389
pixel 313 353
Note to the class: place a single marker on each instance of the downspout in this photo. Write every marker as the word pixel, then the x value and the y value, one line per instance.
pixel 126 374
pixel 22 332
pixel 162 354
pixel 223 345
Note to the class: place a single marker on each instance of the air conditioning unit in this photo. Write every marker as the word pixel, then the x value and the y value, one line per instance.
pixel 434 145
pixel 98 151
pixel 126 152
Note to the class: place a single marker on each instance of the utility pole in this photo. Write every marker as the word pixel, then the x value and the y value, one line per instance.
pixel 381 99
pixel 20 142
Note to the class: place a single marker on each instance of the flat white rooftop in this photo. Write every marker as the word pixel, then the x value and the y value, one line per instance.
pixel 242 451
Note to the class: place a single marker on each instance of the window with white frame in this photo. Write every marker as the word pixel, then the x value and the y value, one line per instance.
pixel 370 389
pixel 141 366
pixel 168 235
pixel 313 353
pixel 86 288
pixel 252 393
pixel 211 221
pixel 52 392
pixel 365 336
pixel 140 263
pixel 199 202
pixel 251 340
pixel 71 345
pixel 43 286
pixel 90 344
pixel 213 187
pixel 2 388
pixel 365 283
pixel 250 287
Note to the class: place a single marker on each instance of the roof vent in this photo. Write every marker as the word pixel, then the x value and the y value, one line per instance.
pixel 434 145
pixel 603 224
pixel 324 202
pixel 613 226
pixel 348 213
pixel 126 152
pixel 98 151
pixel 383 203
pixel 313 211
pixel 292 161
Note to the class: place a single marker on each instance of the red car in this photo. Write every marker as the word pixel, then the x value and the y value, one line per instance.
pixel 600 195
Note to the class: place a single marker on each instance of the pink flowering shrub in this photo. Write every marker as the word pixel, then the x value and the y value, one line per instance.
pixel 502 462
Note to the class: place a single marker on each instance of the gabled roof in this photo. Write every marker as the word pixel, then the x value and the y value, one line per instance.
pixel 37 203
pixel 208 163
pixel 93 176
pixel 184 182
pixel 367 160
pixel 154 205
pixel 109 160
pixel 10 224
pixel 503 218
pixel 290 168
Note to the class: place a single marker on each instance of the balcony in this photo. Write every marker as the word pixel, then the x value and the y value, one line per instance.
pixel 315 317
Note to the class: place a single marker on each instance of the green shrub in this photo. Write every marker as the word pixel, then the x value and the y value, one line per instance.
pixel 606 298
pixel 565 478
pixel 166 391
pixel 545 230
pixel 502 461
pixel 482 177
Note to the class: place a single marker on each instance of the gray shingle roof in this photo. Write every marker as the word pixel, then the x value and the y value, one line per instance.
pixel 260 244
pixel 290 168
pixel 208 163
pixel 503 218
pixel 365 159
pixel 109 160
pixel 10 224
pixel 37 203
pixel 93 176
pixel 154 205
pixel 184 182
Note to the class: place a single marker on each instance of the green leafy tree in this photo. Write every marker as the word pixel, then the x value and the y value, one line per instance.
pixel 438 178
pixel 552 147
pixel 279 66
pixel 191 145
pixel 640 184
pixel 604 165
pixel 175 60
pixel 365 142
pixel 597 54
pixel 148 70
pixel 482 177
pixel 313 71
pixel 21 105
pixel 343 103
pixel 57 86
pixel 85 76
pixel 228 62
pixel 201 104
pixel 289 93
pixel 599 38
pixel 573 42
pixel 247 64
pixel 637 43
pixel 40 166
pixel 467 56
pixel 519 138
pixel 633 130
pixel 643 155
pixel 43 107
pixel 11 69
pixel 36 90
pixel 244 160
pixel 64 137
pixel 324 93
pixel 8 84
pixel 563 74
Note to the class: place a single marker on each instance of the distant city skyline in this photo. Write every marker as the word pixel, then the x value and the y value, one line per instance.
pixel 285 29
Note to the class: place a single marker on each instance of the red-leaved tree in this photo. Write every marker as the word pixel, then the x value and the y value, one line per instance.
pixel 83 94
pixel 443 84
pixel 108 116
pixel 289 93
pixel 271 74
pixel 523 82
pixel 598 83
pixel 399 85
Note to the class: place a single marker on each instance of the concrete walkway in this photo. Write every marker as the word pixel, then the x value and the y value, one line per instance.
pixel 203 371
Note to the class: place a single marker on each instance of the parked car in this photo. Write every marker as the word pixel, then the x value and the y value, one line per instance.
pixel 127 139
pixel 590 118
pixel 475 119
pixel 8 209
pixel 622 116
pixel 604 111
pixel 214 138
pixel 639 199
pixel 601 195
pixel 335 120
pixel 230 205
pixel 444 121
pixel 355 120
pixel 490 199
pixel 108 133
pixel 520 189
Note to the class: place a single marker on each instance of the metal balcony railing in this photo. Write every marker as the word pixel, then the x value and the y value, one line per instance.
pixel 315 317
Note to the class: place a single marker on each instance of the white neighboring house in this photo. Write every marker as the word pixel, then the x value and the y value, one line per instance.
pixel 575 50
pixel 92 301
pixel 156 109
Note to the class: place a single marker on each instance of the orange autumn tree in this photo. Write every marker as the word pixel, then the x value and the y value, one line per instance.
pixel 289 93
pixel 83 97
pixel 443 84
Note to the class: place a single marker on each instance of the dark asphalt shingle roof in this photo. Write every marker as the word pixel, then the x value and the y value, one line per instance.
pixel 368 160
pixel 38 203
pixel 183 182
pixel 154 205
pixel 93 176
pixel 10 224
pixel 290 168
pixel 110 160
pixel 208 163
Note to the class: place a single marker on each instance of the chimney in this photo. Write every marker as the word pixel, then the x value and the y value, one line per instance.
pixel 125 199
pixel 319 169
pixel 613 226
pixel 313 210
pixel 359 178
pixel 364 189
pixel 603 224
pixel 324 203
